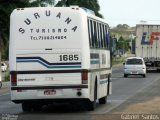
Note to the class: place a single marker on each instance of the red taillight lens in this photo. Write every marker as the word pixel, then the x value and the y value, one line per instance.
pixel 13 79
pixel 84 77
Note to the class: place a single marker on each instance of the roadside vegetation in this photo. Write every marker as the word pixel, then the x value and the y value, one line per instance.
pixel 6 77
pixel 118 61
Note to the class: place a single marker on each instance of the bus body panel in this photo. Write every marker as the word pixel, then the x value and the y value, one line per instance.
pixel 101 62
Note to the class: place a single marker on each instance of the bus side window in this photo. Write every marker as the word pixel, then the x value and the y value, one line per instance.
pixel 91 26
pixel 95 35
pixel 89 33
pixel 97 41
pixel 107 37
pixel 104 36
pixel 101 41
pixel 99 34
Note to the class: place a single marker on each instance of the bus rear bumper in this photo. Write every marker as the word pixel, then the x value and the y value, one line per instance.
pixel 18 96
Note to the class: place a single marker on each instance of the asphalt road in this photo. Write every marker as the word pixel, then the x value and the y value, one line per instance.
pixel 123 90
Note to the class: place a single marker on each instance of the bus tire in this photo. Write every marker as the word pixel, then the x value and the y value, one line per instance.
pixel 26 107
pixel 158 70
pixel 144 75
pixel 103 100
pixel 37 107
pixel 125 75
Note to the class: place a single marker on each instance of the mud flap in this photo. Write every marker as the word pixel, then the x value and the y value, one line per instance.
pixel 109 91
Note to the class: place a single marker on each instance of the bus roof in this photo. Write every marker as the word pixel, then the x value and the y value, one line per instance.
pixel 89 13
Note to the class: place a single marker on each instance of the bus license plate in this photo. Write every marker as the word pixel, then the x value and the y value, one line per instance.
pixel 49 92
pixel 134 72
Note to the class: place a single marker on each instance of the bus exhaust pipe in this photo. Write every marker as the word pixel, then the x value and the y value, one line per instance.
pixel 79 93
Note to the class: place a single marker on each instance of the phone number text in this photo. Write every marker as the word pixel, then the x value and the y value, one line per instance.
pixel 48 37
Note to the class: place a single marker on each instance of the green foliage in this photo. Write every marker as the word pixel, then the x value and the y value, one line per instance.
pixel 122 26
pixel 118 61
pixel 122 33
pixel 90 4
pixel 123 44
pixel 6 77
pixel 41 3
pixel 123 30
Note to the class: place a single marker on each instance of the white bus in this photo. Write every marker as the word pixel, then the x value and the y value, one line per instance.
pixel 58 54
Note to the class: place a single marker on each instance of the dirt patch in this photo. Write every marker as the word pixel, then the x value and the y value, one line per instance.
pixel 152 106
pixel 145 101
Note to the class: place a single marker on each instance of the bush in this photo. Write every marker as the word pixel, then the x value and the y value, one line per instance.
pixel 6 77
pixel 117 60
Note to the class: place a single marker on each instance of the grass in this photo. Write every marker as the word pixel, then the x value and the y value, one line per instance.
pixel 118 60
pixel 6 76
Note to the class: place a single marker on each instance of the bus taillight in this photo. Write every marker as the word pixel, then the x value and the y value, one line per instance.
pixel 13 79
pixel 84 77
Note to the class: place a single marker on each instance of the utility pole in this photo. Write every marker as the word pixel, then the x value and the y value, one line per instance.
pixel 131 37
pixel 131 43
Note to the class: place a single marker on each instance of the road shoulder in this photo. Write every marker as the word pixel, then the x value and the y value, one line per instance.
pixel 145 101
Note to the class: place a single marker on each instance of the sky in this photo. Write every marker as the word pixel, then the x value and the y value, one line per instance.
pixel 130 12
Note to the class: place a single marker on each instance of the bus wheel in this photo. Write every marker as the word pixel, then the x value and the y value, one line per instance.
pixel 144 75
pixel 26 107
pixel 125 75
pixel 103 100
pixel 37 107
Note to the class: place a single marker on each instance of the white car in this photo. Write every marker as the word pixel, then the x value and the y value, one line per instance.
pixel 134 66
pixel 3 67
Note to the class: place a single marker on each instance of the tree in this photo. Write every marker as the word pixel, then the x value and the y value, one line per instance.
pixel 89 4
pixel 6 7
pixel 122 44
pixel 42 3
pixel 122 26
